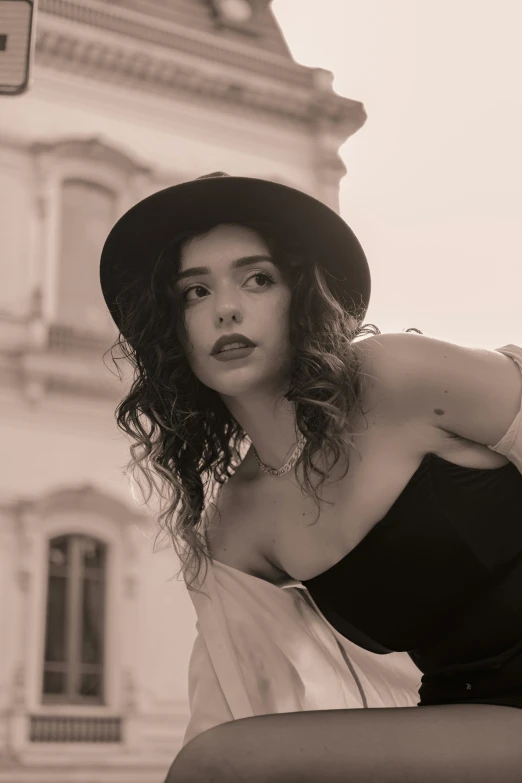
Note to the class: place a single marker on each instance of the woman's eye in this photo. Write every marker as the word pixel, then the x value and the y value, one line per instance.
pixel 264 275
pixel 185 293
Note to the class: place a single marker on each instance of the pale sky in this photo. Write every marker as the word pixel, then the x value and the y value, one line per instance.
pixel 434 183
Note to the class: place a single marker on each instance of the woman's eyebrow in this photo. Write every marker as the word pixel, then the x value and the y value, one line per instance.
pixel 204 270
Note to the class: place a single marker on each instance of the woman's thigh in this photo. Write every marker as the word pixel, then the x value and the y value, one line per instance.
pixel 472 743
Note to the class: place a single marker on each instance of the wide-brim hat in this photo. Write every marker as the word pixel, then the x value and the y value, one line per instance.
pixel 141 234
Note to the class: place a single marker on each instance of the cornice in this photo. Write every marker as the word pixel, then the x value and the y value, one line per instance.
pixel 91 149
pixel 81 497
pixel 85 497
pixel 174 37
pixel 65 50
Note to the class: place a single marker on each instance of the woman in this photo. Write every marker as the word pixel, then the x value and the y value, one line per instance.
pixel 242 303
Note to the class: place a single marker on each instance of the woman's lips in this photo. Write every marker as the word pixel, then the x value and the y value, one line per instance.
pixel 228 354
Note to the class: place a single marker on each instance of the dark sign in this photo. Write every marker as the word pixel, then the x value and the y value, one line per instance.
pixel 17 23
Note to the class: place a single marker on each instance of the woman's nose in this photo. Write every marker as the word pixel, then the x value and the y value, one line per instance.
pixel 227 308
pixel 228 314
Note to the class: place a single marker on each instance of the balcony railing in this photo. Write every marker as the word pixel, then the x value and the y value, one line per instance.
pixel 50 728
pixel 66 339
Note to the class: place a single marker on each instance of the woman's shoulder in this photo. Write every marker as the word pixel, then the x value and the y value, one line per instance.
pixel 375 350
pixel 391 361
pixel 377 368
pixel 396 370
pixel 391 365
pixel 467 390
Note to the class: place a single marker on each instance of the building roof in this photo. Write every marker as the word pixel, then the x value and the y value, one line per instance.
pixel 261 32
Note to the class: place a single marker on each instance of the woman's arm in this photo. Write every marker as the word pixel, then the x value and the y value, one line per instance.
pixel 474 393
pixel 439 744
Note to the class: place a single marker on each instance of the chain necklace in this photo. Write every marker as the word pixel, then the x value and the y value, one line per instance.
pixel 289 464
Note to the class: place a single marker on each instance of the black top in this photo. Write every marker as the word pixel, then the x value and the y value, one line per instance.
pixel 440 576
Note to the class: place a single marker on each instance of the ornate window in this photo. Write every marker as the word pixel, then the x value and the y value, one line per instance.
pixel 74 652
pixel 88 212
pixel 84 185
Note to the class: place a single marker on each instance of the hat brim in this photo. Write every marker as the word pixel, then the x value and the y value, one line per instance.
pixel 139 236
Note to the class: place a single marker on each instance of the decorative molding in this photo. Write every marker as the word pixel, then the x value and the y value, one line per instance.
pixel 24 580
pixel 161 74
pixel 92 149
pixel 18 683
pixel 90 158
pixel 129 692
pixel 23 520
pixel 86 497
pixel 174 37
pixel 222 20
pixel 330 166
pixel 29 514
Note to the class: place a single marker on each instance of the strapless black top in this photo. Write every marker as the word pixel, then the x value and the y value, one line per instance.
pixel 440 576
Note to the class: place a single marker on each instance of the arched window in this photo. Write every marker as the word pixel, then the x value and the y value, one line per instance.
pixel 88 212
pixel 74 657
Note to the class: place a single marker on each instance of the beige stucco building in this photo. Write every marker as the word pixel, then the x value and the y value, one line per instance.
pixel 128 96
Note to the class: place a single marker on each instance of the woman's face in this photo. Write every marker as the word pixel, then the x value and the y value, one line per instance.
pixel 229 285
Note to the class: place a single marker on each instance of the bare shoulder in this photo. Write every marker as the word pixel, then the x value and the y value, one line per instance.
pixel 468 391
pixel 382 368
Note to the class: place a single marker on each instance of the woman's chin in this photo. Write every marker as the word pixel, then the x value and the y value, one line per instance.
pixel 236 387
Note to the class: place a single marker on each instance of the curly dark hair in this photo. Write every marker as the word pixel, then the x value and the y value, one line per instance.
pixel 184 435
